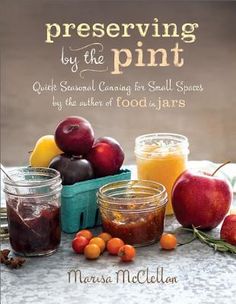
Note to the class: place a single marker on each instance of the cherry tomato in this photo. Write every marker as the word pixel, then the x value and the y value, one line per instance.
pixel 79 243
pixel 168 241
pixel 98 241
pixel 105 236
pixel 113 245
pixel 127 253
pixel 85 233
pixel 92 251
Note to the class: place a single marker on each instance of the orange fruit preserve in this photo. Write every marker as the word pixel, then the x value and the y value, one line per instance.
pixel 161 157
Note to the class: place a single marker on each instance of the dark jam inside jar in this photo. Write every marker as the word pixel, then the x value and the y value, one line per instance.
pixel 135 229
pixel 34 225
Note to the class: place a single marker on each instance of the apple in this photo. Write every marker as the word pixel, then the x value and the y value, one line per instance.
pixel 201 199
pixel 106 156
pixel 72 169
pixel 74 135
pixel 228 229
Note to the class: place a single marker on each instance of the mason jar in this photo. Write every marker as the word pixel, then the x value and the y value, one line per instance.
pixel 33 210
pixel 133 210
pixel 161 157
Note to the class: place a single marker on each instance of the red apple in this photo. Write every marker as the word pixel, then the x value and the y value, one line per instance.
pixel 201 199
pixel 106 156
pixel 74 135
pixel 228 229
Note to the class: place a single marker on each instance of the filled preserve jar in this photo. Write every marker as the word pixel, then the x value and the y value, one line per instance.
pixel 33 210
pixel 133 210
pixel 161 157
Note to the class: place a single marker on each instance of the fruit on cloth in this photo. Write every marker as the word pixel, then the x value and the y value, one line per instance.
pixel 105 236
pixel 228 229
pixel 200 199
pixel 168 241
pixel 98 241
pixel 106 156
pixel 85 233
pixel 72 169
pixel 74 135
pixel 44 151
pixel 127 253
pixel 92 251
pixel 114 245
pixel 79 243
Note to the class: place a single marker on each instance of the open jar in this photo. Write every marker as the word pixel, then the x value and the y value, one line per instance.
pixel 133 210
pixel 161 157
pixel 33 210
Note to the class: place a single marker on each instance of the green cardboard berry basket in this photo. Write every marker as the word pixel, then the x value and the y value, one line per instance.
pixel 79 202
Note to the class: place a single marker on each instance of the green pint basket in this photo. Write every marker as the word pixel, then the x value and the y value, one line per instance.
pixel 79 202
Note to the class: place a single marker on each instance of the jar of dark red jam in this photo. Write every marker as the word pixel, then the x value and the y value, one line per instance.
pixel 133 210
pixel 33 210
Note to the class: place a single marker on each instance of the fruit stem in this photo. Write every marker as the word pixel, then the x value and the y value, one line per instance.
pixel 220 167
pixel 187 242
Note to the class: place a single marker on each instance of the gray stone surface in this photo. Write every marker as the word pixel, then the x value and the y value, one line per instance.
pixel 203 276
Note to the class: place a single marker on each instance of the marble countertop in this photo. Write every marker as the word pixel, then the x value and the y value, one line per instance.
pixel 191 274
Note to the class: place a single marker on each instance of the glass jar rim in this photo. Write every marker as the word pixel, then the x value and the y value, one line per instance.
pixel 181 142
pixel 23 171
pixel 160 195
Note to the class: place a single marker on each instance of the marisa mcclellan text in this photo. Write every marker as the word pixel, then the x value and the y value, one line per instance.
pixel 123 276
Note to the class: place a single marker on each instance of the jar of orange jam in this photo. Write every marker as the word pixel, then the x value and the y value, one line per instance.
pixel 161 157
pixel 133 210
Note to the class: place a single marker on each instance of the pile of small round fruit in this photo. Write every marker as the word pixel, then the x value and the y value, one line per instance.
pixel 92 247
pixel 75 153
